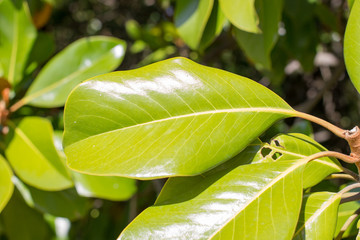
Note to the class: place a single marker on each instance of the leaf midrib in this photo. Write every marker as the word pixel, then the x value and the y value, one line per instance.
pixel 288 112
pixel 317 213
pixel 265 188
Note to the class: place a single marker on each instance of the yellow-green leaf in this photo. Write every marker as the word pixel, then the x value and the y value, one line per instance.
pixel 33 156
pixel 171 118
pixel 241 13
pixel 352 45
pixel 6 185
pixel 17 35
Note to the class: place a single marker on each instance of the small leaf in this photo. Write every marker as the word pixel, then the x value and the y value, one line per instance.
pixel 17 35
pixel 172 118
pixel 258 46
pixel 191 17
pixel 352 45
pixel 295 146
pixel 254 201
pixel 213 27
pixel 345 211
pixel 111 188
pixel 79 61
pixel 241 13
pixel 318 216
pixel 38 163
pixel 6 186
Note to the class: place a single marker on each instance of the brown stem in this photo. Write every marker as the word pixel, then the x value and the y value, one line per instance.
pixel 331 127
pixel 341 176
pixel 350 197
pixel 343 157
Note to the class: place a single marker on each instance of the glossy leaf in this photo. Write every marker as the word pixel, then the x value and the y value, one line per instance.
pixel 241 13
pixel 38 163
pixel 318 216
pixel 17 35
pixel 23 222
pixel 111 188
pixel 230 203
pixel 190 18
pixel 166 119
pixel 295 146
pixel 6 186
pixel 258 46
pixel 81 60
pixel 352 45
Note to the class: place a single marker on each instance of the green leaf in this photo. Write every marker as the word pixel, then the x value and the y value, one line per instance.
pixel 6 185
pixel 302 36
pixel 295 146
pixel 172 118
pixel 318 216
pixel 37 163
pixel 79 61
pixel 66 203
pixel 38 56
pixel 241 13
pixel 350 3
pixel 213 27
pixel 352 45
pixel 254 201
pixel 190 18
pixel 111 188
pixel 17 35
pixel 22 222
pixel 258 46
pixel 345 211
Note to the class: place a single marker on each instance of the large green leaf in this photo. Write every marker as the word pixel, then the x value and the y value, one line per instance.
pixel 17 35
pixel 172 118
pixel 23 222
pixel 6 186
pixel 258 46
pixel 191 17
pixel 241 13
pixel 253 201
pixel 295 146
pixel 318 216
pixel 79 61
pixel 352 45
pixel 32 155
pixel 106 187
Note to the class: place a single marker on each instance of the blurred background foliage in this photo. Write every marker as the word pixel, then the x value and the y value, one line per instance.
pixel 297 51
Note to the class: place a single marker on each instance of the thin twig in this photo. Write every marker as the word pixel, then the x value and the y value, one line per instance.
pixel 354 175
pixel 349 188
pixel 341 176
pixel 349 197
